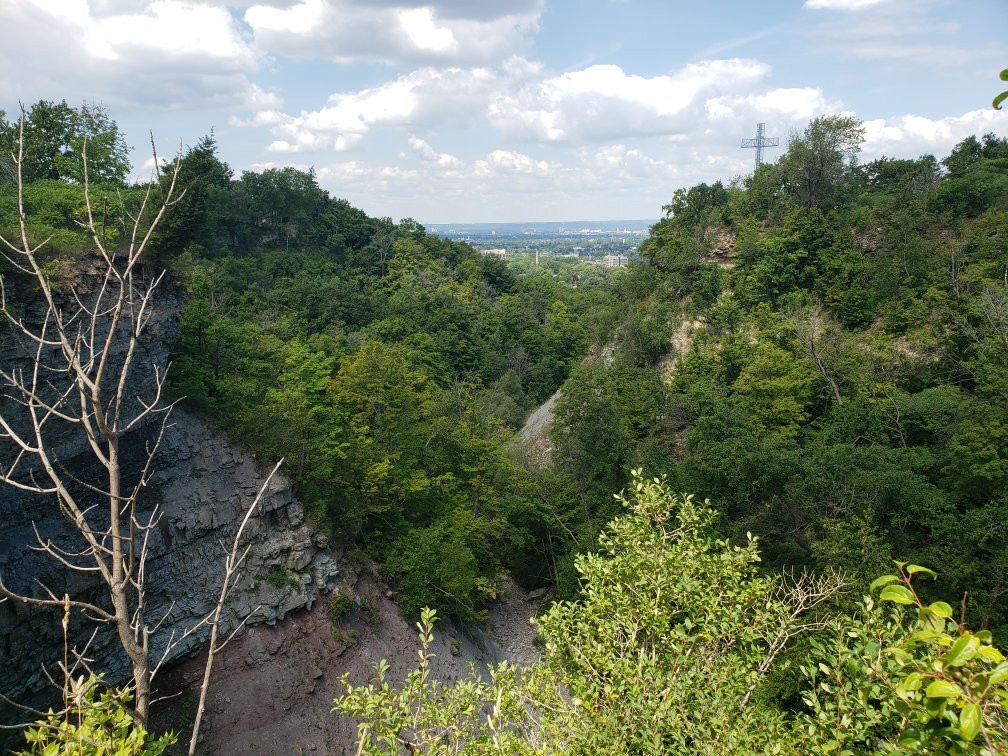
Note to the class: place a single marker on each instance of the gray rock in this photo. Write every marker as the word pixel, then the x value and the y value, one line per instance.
pixel 201 486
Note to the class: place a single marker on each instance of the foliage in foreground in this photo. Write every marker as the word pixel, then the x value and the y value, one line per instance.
pixel 97 722
pixel 678 644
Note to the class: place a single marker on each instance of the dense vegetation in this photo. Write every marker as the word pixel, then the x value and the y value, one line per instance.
pixel 821 348
pixel 679 643
pixel 388 367
pixel 838 376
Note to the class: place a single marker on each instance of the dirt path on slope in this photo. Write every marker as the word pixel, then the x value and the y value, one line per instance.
pixel 534 436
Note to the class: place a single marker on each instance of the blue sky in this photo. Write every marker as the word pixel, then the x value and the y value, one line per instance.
pixel 509 110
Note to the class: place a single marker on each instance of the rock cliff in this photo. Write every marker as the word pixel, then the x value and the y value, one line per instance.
pixel 202 484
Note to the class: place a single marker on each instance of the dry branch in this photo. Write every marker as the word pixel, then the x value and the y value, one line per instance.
pixel 82 359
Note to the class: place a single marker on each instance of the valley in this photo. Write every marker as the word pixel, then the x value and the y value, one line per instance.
pixel 686 504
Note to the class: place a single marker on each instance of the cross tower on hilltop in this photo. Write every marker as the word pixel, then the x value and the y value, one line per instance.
pixel 760 142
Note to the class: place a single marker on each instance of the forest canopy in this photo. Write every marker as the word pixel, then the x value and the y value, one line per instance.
pixel 820 348
pixel 837 379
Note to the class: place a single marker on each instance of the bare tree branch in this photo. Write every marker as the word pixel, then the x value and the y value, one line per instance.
pixel 231 566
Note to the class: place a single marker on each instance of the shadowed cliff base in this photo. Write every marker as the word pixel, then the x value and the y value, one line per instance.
pixel 273 687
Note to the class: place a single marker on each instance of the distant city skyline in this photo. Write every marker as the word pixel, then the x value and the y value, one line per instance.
pixel 449 111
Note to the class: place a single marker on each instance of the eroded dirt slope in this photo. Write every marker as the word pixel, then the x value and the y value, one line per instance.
pixel 273 687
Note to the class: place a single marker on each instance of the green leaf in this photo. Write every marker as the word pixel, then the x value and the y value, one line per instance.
pixel 908 685
pixel 942 689
pixel 991 654
pixel 933 621
pixel 880 581
pixel 999 99
pixel 897 594
pixel 925 636
pixel 964 649
pixel 1000 673
pixel 941 609
pixel 914 569
pixel 970 719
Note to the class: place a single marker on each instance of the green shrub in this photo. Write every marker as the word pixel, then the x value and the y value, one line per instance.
pixel 340 607
pixel 278 577
pixel 98 723
pixel 678 643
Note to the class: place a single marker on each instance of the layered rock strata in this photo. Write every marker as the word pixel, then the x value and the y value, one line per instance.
pixel 201 486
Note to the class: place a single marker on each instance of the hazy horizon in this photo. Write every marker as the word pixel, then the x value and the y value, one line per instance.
pixel 549 108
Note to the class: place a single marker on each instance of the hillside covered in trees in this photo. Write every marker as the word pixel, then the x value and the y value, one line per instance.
pixel 820 349
pixel 837 380
pixel 389 368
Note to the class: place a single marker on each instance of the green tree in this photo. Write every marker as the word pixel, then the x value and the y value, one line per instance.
pixel 816 165
pixel 775 390
pixel 206 181
pixel 55 134
pixel 385 404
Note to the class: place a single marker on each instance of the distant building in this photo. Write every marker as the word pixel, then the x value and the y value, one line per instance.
pixel 615 261
pixel 497 252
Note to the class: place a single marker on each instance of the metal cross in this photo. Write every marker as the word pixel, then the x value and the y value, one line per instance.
pixel 760 142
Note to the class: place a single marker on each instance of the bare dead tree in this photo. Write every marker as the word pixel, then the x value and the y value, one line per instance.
pixel 992 334
pixel 82 357
pixel 985 324
pixel 802 595
pixel 77 378
pixel 810 324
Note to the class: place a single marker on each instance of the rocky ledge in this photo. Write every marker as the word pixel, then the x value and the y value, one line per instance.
pixel 201 488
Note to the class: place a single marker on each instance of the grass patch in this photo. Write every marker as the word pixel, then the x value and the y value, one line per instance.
pixel 341 607
pixel 278 577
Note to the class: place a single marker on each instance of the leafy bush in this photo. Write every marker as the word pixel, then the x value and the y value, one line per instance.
pixel 908 679
pixel 98 723
pixel 340 607
pixel 678 643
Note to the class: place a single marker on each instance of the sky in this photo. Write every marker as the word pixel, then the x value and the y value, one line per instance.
pixel 510 110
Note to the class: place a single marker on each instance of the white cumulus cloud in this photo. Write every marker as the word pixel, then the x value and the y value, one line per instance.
pixel 164 54
pixel 421 97
pixel 404 31
pixel 792 103
pixel 429 154
pixel 913 135
pixel 603 101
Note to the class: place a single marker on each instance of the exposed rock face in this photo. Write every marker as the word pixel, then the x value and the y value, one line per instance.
pixel 201 486
pixel 722 250
pixel 680 344
pixel 535 433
